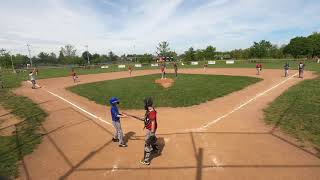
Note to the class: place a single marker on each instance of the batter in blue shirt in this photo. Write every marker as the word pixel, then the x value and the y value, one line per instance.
pixel 118 136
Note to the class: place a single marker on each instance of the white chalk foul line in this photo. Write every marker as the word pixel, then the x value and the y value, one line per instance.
pixel 242 105
pixel 81 109
pixel 76 106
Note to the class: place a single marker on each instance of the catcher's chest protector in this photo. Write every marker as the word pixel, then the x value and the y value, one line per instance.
pixel 147 120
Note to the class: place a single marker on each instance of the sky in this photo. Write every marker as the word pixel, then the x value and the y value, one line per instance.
pixel 137 26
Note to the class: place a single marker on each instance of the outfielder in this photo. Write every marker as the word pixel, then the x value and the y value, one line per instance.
pixel 150 122
pixel 118 136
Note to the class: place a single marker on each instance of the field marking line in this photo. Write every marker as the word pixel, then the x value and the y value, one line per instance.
pixel 242 105
pixel 76 106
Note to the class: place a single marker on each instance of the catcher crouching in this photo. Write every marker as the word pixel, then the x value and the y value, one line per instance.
pixel 150 122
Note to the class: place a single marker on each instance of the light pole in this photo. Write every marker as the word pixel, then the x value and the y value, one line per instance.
pixel 28 45
pixel 87 54
pixel 13 70
pixel 134 55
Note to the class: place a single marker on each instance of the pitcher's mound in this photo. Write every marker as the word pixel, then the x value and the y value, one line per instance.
pixel 165 82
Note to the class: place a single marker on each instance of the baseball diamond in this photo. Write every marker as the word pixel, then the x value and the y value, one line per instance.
pixel 80 147
pixel 160 90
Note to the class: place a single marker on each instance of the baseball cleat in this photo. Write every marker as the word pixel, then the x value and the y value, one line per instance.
pixel 115 140
pixel 123 145
pixel 145 162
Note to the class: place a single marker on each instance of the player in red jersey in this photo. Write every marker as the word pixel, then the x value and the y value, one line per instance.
pixel 74 76
pixel 163 71
pixel 259 68
pixel 130 69
pixel 150 122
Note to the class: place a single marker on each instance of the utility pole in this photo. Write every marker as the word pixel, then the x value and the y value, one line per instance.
pixel 134 55
pixel 87 54
pixel 13 70
pixel 28 45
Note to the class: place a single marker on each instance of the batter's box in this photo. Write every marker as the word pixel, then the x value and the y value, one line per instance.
pixel 177 152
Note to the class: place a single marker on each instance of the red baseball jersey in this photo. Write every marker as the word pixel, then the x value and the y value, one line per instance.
pixel 152 116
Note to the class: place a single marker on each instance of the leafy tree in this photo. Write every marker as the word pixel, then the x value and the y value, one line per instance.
pixel 145 58
pixel 209 53
pixel 299 46
pixel 20 60
pixel 315 41
pixel 190 55
pixel 163 48
pixel 240 53
pixel 68 50
pixel 43 57
pixel 276 52
pixel 95 56
pixel 5 59
pixel 61 57
pixel 112 56
pixel 85 55
pixel 261 49
pixel 53 58
pixel 172 55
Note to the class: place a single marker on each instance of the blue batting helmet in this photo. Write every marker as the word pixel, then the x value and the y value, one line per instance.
pixel 113 100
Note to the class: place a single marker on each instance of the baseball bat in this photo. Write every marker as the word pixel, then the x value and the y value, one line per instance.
pixel 133 116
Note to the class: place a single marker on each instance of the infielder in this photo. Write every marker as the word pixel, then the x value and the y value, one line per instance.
pixel 301 69
pixel 175 67
pixel 74 76
pixel 286 69
pixel 259 68
pixel 118 136
pixel 163 71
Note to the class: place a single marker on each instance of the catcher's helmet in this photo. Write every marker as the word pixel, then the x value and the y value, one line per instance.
pixel 147 102
pixel 113 100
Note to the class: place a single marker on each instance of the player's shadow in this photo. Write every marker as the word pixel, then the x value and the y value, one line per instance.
pixel 160 145
pixel 128 136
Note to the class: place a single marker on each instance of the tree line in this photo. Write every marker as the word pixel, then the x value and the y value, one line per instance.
pixel 298 47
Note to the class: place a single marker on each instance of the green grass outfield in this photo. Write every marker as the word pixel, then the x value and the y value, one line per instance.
pixel 267 64
pixel 187 90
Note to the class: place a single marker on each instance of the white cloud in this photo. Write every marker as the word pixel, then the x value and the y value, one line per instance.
pixel 120 25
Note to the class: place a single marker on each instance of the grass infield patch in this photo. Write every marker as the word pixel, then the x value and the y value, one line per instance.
pixel 187 90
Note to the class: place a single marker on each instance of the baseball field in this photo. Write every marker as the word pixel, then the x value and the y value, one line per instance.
pixel 222 123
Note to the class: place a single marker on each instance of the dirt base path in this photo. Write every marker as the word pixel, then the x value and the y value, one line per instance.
pixel 221 139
